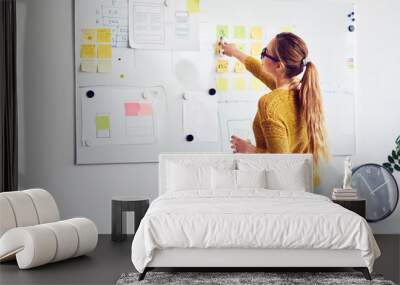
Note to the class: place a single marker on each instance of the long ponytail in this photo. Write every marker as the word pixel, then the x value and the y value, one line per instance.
pixel 311 106
pixel 292 52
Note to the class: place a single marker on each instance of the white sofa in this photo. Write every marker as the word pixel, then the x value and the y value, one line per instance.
pixel 31 231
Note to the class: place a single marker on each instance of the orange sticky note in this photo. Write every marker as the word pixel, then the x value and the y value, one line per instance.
pixel 104 35
pixel 256 33
pixel 256 49
pixel 88 51
pixel 104 51
pixel 146 109
pixel 222 84
pixel 222 65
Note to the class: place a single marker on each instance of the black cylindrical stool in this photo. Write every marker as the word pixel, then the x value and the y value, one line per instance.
pixel 121 204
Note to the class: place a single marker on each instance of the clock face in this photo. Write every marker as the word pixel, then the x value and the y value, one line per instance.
pixel 378 187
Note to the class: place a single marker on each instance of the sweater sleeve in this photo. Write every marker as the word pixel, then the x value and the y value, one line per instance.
pixel 276 136
pixel 254 66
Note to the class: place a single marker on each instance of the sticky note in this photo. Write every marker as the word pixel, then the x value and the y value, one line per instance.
pixel 242 47
pixel 89 65
pixel 104 51
pixel 88 51
pixel 256 84
pixel 146 109
pixel 239 67
pixel 256 33
pixel 102 122
pixel 132 108
pixel 193 6
pixel 286 29
pixel 104 35
pixel 256 49
pixel 239 32
pixel 222 31
pixel 88 36
pixel 239 84
pixel 222 84
pixel 222 65
pixel 104 66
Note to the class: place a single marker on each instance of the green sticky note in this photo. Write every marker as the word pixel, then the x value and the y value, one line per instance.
pixel 240 32
pixel 102 122
pixel 222 31
pixel 242 47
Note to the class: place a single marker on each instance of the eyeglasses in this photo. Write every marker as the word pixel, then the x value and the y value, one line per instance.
pixel 264 54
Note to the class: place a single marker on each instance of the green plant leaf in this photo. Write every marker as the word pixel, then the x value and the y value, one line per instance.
pixel 386 164
pixel 394 154
pixel 390 158
pixel 397 167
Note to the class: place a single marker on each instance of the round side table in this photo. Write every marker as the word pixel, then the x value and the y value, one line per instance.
pixel 121 204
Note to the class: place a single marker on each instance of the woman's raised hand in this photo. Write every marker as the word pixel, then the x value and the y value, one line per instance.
pixel 242 146
pixel 230 49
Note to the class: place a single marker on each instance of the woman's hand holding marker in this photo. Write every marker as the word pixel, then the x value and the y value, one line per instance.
pixel 242 146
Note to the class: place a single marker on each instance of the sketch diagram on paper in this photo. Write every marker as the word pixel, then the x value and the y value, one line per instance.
pixel 113 14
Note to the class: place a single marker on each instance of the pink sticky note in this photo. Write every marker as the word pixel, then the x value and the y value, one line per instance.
pixel 146 109
pixel 132 109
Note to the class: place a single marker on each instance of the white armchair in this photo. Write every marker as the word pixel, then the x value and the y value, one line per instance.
pixel 31 230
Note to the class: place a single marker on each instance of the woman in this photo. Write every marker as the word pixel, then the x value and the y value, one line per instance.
pixel 290 118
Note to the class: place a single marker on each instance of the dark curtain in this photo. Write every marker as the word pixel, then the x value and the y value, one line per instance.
pixel 8 97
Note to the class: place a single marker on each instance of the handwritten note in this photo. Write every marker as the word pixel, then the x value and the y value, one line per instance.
pixel 222 84
pixel 222 65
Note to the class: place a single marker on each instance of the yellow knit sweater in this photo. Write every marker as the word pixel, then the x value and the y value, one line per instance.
pixel 278 125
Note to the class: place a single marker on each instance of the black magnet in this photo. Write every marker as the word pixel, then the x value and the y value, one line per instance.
pixel 189 138
pixel 212 91
pixel 90 94
pixel 351 28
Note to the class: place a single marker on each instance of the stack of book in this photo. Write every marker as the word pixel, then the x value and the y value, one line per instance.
pixel 344 194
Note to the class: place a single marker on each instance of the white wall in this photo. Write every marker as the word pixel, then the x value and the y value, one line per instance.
pixel 46 111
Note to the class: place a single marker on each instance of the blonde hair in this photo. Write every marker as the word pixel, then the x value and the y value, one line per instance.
pixel 292 52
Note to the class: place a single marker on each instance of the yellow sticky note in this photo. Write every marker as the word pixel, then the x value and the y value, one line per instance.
pixel 286 29
pixel 256 84
pixel 104 66
pixel 222 84
pixel 222 65
pixel 193 6
pixel 256 49
pixel 239 84
pixel 239 32
pixel 88 51
pixel 256 33
pixel 239 67
pixel 104 35
pixel 102 122
pixel 89 65
pixel 104 51
pixel 222 31
pixel 88 36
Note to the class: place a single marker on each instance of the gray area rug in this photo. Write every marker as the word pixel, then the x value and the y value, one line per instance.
pixel 273 278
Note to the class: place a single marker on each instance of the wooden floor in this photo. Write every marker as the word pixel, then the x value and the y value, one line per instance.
pixel 111 259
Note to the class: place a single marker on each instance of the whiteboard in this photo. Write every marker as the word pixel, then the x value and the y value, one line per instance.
pixel 108 130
